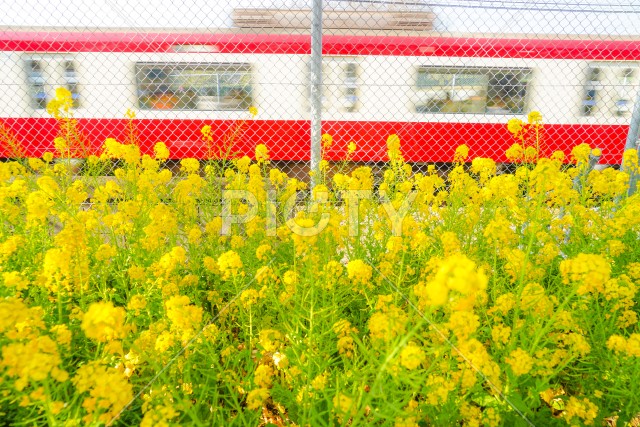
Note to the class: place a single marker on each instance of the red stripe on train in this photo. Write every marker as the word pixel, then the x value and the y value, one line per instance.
pixel 43 41
pixel 289 139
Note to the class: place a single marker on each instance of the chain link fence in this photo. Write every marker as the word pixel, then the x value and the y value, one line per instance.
pixel 437 74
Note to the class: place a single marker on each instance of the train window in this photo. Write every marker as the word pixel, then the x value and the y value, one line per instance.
pixel 71 81
pixel 340 91
pixel 609 89
pixel 471 90
pixel 595 74
pixel 628 76
pixel 350 88
pixel 189 86
pixel 36 79
pixel 592 88
pixel 46 73
pixel 627 81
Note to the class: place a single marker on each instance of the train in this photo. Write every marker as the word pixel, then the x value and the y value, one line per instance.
pixel 435 91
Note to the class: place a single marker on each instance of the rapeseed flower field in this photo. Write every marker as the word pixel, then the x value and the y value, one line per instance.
pixel 232 294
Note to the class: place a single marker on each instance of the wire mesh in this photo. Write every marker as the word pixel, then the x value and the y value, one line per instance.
pixel 437 74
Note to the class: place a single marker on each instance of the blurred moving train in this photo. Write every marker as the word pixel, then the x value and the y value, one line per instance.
pixel 435 92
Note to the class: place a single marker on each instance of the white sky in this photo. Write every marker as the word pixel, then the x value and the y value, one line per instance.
pixel 605 17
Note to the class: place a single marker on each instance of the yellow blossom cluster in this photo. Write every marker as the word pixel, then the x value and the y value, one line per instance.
pixel 32 361
pixel 387 322
pixel 109 392
pixel 456 273
pixel 359 273
pixel 412 356
pixel 344 331
pixel 589 271
pixel 627 346
pixel 520 361
pixel 230 265
pixel 103 322
pixel 185 318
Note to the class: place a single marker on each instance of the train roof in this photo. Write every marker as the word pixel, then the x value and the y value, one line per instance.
pixel 336 42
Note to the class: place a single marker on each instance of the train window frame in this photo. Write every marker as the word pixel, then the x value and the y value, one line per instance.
pixel 475 97
pixel 53 73
pixel 609 92
pixel 348 81
pixel 627 80
pixel 192 100
pixel 36 80
pixel 592 89
pixel 72 81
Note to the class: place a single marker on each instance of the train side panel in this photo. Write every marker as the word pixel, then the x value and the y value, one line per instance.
pixel 378 96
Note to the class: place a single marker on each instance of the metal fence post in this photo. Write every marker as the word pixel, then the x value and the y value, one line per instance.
pixel 591 163
pixel 632 142
pixel 316 89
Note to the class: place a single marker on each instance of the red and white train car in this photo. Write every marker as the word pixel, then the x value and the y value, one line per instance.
pixel 435 92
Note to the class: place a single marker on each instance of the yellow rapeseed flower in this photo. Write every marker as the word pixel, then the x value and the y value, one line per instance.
pixel 262 153
pixel 256 398
pixel 589 271
pixel 229 264
pixel 13 279
pixel 351 148
pixel 327 141
pixel 61 103
pixel 60 145
pixel 359 272
pixel 160 150
pixel 412 356
pixel 343 404
pixel 109 391
pixel 190 166
pixel 580 153
pixel 393 142
pixel 263 376
pixel 515 126
pixel 137 303
pixel 515 153
pixel 630 160
pixel 534 117
pixel 103 322
pixel 520 361
pixel 580 408
pixel 47 157
pixel 32 361
pixel 461 154
pixel 319 382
